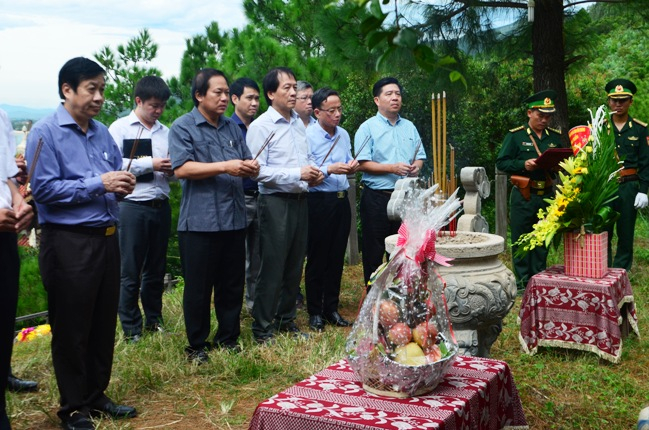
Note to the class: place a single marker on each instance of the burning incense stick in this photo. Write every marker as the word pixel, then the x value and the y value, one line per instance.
pixel 266 142
pixel 134 148
pixel 367 139
pixel 330 149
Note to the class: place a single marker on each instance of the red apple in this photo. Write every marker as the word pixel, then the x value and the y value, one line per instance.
pixel 388 313
pixel 400 334
pixel 433 354
pixel 424 334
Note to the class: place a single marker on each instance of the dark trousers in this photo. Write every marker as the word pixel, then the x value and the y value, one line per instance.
pixel 523 215
pixel 624 227
pixel 9 275
pixel 376 227
pixel 81 275
pixel 329 223
pixel 212 263
pixel 252 249
pixel 143 239
pixel 282 245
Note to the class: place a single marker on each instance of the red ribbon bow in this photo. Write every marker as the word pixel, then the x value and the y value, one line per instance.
pixel 427 250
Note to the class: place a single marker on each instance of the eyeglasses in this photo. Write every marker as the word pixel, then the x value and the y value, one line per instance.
pixel 332 111
pixel 304 98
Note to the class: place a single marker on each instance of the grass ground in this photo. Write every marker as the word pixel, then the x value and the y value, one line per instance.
pixel 560 389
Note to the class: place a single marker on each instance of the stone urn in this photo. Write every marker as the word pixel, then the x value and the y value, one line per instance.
pixel 480 290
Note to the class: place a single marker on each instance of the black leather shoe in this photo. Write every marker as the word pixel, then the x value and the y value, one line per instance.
pixel 293 330
pixel 116 411
pixel 78 422
pixel 316 323
pixel 335 319
pixel 18 385
pixel 197 356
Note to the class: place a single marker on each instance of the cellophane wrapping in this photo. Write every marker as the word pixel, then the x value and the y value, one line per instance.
pixel 402 342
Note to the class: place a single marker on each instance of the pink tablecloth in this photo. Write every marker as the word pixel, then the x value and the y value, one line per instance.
pixel 580 313
pixel 477 393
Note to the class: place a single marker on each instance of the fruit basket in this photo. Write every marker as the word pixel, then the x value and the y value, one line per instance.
pixel 402 342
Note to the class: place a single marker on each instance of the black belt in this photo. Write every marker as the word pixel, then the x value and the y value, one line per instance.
pixel 292 196
pixel 93 231
pixel 251 193
pixel 328 195
pixel 155 203
pixel 387 192
pixel 628 178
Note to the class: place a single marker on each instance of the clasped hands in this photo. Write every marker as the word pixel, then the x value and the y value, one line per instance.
pixel 311 175
pixel 403 169
pixel 16 219
pixel 341 168
pixel 243 168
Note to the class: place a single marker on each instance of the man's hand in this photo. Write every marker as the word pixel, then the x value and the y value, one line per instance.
pixel 318 180
pixel 530 165
pixel 24 214
pixel 339 169
pixel 310 174
pixel 641 201
pixel 8 220
pixel 21 176
pixel 163 165
pixel 119 182
pixel 401 169
pixel 242 168
pixel 414 171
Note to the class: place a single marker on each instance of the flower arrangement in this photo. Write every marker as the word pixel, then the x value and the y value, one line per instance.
pixel 588 183
pixel 31 333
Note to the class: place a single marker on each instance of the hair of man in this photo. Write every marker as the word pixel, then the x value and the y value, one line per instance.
pixel 237 87
pixel 201 82
pixel 77 70
pixel 378 86
pixel 320 96
pixel 271 81
pixel 150 87
pixel 303 85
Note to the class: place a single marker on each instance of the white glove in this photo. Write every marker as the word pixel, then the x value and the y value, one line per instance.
pixel 641 201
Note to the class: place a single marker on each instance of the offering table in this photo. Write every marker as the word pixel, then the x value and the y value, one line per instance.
pixel 589 314
pixel 477 393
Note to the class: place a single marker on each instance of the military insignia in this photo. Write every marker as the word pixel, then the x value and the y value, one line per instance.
pixel 552 145
pixel 547 101
pixel 642 123
pixel 633 138
pixel 554 130
pixel 514 130
pixel 619 89
pixel 527 144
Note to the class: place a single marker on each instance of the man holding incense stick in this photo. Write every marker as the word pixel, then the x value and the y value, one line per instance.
pixel 77 181
pixel 278 137
pixel 210 157
pixel 632 143
pixel 145 215
pixel 393 151
pixel 532 185
pixel 329 211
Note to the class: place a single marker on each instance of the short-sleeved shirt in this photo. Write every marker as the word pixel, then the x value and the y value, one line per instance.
pixel 130 127
pixel 632 145
pixel 280 163
pixel 320 142
pixel 518 147
pixel 66 182
pixel 216 203
pixel 388 144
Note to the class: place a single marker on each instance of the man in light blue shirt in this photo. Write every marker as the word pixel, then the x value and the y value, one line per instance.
pixel 284 177
pixel 329 211
pixel 392 152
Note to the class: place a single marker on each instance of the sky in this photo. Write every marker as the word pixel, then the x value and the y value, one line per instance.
pixel 38 36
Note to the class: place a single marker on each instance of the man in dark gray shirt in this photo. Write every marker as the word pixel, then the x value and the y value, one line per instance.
pixel 210 157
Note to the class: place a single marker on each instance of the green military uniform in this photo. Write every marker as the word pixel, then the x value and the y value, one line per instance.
pixel 632 143
pixel 518 147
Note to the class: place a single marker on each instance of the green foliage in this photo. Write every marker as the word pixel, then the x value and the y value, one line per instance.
pixel 32 297
pixel 123 69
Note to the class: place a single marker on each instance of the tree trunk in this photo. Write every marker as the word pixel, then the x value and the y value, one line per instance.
pixel 549 57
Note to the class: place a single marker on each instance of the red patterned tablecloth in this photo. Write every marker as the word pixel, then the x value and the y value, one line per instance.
pixel 477 393
pixel 589 314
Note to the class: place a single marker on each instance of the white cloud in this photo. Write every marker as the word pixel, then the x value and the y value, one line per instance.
pixel 38 36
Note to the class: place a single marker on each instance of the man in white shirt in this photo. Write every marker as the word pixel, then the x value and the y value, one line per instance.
pixel 145 215
pixel 284 177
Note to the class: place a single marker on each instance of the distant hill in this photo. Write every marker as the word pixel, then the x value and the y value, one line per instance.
pixel 25 113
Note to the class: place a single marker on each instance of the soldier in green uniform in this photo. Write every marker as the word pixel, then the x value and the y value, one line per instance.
pixel 631 141
pixel 532 185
